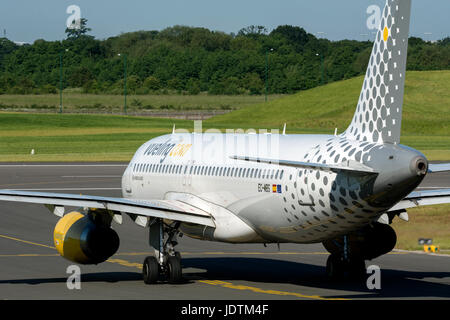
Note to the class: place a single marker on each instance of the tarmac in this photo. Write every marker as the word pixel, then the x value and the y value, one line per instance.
pixel 30 267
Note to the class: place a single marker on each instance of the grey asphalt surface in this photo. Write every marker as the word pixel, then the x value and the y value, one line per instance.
pixel 30 267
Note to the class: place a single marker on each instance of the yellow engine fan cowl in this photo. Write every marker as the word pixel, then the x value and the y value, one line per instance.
pixel 80 240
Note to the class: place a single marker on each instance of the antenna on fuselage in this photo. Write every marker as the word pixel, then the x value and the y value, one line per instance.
pixel 173 129
pixel 335 131
pixel 284 129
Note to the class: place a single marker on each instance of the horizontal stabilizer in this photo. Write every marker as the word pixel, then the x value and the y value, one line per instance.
pixel 423 198
pixel 438 167
pixel 347 166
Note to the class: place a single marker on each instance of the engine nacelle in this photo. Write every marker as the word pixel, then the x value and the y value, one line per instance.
pixel 368 243
pixel 78 239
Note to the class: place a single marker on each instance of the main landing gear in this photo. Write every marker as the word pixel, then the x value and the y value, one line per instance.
pixel 166 263
pixel 344 264
pixel 339 268
pixel 349 252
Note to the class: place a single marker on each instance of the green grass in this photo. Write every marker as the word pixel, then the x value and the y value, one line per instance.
pixel 77 102
pixel 424 222
pixel 70 137
pixel 425 123
pixel 426 109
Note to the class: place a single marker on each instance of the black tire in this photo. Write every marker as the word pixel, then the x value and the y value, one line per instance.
pixel 357 269
pixel 150 270
pixel 335 268
pixel 174 269
pixel 178 256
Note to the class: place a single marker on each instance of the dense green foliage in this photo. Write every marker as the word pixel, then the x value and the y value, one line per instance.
pixel 193 60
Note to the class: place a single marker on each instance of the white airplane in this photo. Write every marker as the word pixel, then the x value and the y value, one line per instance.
pixel 341 190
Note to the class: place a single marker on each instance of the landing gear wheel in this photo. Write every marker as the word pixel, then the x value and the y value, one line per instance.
pixel 335 268
pixel 174 269
pixel 150 270
pixel 357 269
pixel 178 256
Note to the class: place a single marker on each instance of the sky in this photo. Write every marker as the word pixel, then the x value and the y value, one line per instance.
pixel 29 20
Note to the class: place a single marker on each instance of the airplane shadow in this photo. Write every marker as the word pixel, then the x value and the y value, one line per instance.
pixel 394 283
pixel 110 277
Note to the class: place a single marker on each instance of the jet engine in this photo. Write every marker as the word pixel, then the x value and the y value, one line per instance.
pixel 79 239
pixel 367 244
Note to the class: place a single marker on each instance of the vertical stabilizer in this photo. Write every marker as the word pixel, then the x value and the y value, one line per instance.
pixel 378 115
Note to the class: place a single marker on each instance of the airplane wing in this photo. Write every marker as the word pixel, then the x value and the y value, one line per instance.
pixel 140 209
pixel 423 198
pixel 348 166
pixel 438 167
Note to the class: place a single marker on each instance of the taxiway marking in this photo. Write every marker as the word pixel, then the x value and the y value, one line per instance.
pixel 230 285
pixel 67 189
pixel 91 176
pixel 223 284
pixel 25 241
pixel 63 165
pixel 5 186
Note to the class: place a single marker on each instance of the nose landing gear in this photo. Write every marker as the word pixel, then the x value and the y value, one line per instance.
pixel 166 263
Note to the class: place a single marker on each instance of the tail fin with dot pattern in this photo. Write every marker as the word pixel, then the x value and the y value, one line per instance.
pixel 378 114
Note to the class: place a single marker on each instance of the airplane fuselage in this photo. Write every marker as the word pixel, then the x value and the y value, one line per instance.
pixel 275 203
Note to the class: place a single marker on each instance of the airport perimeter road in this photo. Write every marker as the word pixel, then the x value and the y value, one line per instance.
pixel 30 267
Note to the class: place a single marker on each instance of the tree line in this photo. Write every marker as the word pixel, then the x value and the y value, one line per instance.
pixel 192 60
